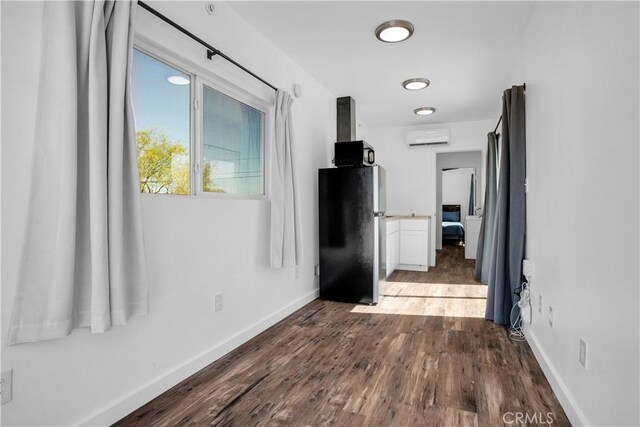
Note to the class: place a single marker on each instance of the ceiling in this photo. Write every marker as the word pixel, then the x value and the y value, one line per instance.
pixel 466 49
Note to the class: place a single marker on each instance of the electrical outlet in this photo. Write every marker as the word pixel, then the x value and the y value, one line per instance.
pixel 583 353
pixel 6 384
pixel 218 302
pixel 539 303
pixel 551 316
pixel 316 270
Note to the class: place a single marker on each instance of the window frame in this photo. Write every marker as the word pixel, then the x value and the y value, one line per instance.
pixel 160 57
pixel 239 95
pixel 201 77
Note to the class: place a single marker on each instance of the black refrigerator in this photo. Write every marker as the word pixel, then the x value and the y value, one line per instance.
pixel 352 203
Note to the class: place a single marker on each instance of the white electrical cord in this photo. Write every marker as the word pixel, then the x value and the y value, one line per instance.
pixel 516 333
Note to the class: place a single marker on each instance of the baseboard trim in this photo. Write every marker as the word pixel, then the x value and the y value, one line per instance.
pixel 145 393
pixel 412 267
pixel 566 399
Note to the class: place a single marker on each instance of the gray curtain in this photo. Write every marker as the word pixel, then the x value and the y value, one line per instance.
pixel 505 275
pixel 485 239
pixel 82 262
pixel 472 199
pixel 286 245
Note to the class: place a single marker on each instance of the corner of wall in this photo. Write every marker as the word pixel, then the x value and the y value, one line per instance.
pixel 562 392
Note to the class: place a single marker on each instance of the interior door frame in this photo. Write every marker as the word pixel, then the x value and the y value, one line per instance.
pixel 432 187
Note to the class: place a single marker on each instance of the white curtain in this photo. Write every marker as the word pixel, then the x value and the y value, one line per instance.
pixel 82 262
pixel 285 219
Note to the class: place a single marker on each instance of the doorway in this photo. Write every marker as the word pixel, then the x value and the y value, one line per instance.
pixel 449 287
pixel 458 167
pixel 458 202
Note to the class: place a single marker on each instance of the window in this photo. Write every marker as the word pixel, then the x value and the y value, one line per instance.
pixel 232 146
pixel 162 106
pixel 228 157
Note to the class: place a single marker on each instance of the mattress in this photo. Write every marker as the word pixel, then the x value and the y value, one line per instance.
pixel 452 229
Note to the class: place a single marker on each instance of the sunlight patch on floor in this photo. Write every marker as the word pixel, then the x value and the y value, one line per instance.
pixel 434 290
pixel 429 299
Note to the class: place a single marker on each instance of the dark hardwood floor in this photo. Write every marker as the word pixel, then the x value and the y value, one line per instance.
pixel 451 268
pixel 328 364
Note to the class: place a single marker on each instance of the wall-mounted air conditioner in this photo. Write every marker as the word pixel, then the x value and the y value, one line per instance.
pixel 425 138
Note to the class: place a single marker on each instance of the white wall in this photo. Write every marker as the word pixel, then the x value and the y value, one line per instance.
pixel 580 63
pixel 195 247
pixel 411 172
pixel 456 184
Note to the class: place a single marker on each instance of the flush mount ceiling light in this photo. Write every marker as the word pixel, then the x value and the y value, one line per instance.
pixel 416 84
pixel 394 31
pixel 424 111
pixel 178 80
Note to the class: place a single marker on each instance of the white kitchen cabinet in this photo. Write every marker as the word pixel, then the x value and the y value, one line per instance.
pixel 414 244
pixel 393 246
pixel 413 247
pixel 407 244
pixel 395 252
pixel 414 224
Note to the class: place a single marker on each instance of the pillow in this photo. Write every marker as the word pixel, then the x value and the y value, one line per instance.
pixel 451 216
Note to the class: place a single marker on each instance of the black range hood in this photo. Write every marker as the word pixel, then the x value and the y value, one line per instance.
pixel 349 151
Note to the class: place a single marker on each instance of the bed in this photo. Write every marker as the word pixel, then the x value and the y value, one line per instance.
pixel 452 228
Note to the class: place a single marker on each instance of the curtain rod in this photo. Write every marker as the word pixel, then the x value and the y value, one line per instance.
pixel 524 86
pixel 497 124
pixel 211 51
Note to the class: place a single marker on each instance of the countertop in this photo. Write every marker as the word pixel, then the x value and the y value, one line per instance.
pixel 395 217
